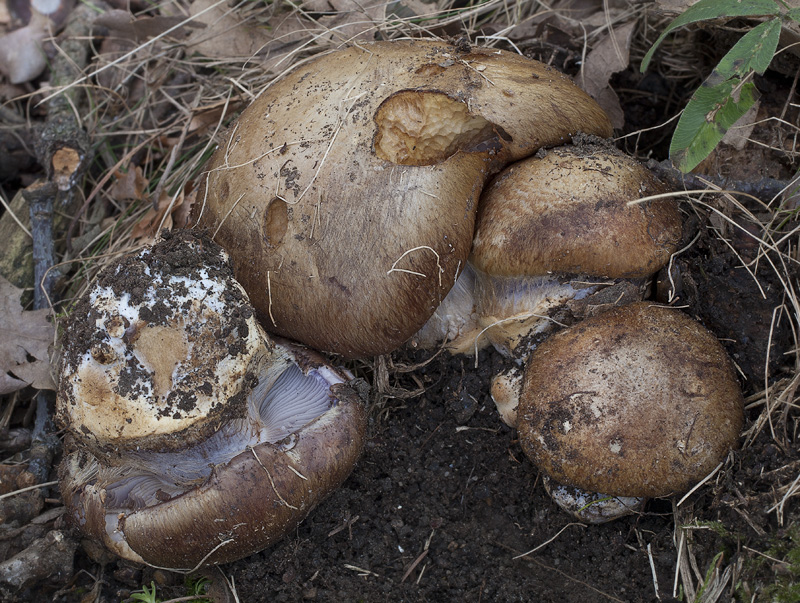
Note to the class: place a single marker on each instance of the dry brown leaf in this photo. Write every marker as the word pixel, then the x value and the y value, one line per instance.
pixel 123 24
pixel 289 33
pixel 154 219
pixel 202 119
pixel 608 57
pixel 129 186
pixel 564 18
pixel 25 337
pixel 354 20
pixel 226 34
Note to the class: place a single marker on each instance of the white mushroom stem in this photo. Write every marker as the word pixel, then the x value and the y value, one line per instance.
pixel 454 324
pixel 592 507
pixel 512 310
pixel 505 391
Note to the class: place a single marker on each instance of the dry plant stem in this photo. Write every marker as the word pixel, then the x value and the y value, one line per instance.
pixel 765 189
pixel 62 132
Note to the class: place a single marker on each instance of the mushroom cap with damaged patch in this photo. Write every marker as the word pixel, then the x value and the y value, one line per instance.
pixel 194 438
pixel 162 350
pixel 638 401
pixel 346 193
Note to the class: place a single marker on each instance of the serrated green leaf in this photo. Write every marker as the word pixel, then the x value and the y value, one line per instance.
pixel 754 51
pixel 794 14
pixel 709 115
pixel 713 9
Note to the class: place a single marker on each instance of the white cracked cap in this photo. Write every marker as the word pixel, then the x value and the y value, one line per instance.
pixel 162 350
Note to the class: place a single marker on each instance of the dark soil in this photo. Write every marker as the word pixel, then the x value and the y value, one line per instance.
pixel 438 507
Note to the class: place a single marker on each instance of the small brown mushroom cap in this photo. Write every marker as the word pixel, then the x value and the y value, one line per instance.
pixel 569 212
pixel 560 226
pixel 346 193
pixel 638 401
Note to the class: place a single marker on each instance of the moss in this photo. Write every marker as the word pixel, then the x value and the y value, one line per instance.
pixel 777 568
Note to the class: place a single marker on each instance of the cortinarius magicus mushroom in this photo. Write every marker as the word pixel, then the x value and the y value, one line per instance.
pixel 556 228
pixel 558 235
pixel 192 437
pixel 346 192
pixel 640 401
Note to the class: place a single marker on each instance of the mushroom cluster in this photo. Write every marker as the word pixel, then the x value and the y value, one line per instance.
pixel 346 198
pixel 422 207
pixel 346 194
pixel 559 232
pixel 193 438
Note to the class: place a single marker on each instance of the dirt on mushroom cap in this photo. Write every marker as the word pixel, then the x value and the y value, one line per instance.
pixel 569 211
pixel 151 357
pixel 639 401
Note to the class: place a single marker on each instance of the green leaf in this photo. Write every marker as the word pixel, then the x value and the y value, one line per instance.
pixel 794 14
pixel 753 52
pixel 149 596
pixel 710 113
pixel 713 9
pixel 709 575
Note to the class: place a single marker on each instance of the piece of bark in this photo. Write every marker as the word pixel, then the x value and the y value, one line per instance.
pixel 48 561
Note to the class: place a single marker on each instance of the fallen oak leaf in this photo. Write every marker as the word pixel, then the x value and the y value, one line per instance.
pixel 25 338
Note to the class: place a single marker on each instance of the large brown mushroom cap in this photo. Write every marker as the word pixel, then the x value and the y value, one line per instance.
pixel 569 212
pixel 346 192
pixel 638 401
pixel 242 507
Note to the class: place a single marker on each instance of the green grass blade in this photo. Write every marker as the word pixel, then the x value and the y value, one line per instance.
pixel 713 9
